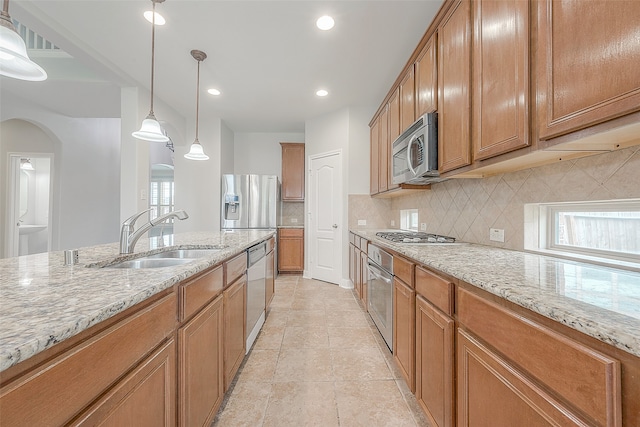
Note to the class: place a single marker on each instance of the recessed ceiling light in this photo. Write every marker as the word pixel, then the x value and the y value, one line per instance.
pixel 159 19
pixel 325 22
pixel 214 91
pixel 322 92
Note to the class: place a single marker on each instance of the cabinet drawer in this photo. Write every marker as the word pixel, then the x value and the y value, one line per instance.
pixel 404 270
pixel 352 238
pixel 271 243
pixel 291 232
pixel 435 289
pixel 363 244
pixel 235 268
pixel 587 379
pixel 197 293
pixel 57 391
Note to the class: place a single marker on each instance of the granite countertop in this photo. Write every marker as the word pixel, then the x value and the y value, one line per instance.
pixel 45 302
pixel 602 302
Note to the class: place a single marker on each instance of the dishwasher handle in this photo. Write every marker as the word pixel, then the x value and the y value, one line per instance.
pixel 256 253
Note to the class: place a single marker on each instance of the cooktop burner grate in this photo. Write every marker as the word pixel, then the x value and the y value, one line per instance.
pixel 414 237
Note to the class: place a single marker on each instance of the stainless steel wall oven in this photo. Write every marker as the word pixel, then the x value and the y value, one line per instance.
pixel 380 292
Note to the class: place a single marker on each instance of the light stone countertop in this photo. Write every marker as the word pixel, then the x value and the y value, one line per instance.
pixel 43 302
pixel 599 301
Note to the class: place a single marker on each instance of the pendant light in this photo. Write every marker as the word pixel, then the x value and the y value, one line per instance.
pixel 14 60
pixel 25 164
pixel 196 152
pixel 151 129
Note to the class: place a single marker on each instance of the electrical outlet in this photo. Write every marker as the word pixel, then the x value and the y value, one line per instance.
pixel 393 223
pixel 362 222
pixel 143 194
pixel 294 220
pixel 496 235
pixel 423 226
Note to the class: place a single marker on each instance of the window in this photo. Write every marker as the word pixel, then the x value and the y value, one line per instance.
pixel 608 230
pixel 409 219
pixel 161 198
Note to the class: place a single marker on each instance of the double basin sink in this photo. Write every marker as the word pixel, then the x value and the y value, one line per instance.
pixel 168 258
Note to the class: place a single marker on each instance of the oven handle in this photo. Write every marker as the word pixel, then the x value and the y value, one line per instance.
pixel 378 274
pixel 411 141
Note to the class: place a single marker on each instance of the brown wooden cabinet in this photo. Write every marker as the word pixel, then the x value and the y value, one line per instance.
pixel 404 326
pixel 587 64
pixel 290 250
pixel 454 88
pixel 200 355
pixel 500 77
pixel 384 151
pixel 427 79
pixel 394 131
pixel 407 91
pixel 235 303
pixel 292 189
pixel 374 165
pixel 435 362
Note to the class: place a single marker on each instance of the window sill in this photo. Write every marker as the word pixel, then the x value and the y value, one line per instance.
pixel 606 262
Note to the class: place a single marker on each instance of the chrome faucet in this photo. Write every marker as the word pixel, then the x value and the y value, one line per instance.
pixel 129 237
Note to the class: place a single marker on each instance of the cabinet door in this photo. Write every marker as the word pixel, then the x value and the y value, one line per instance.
pixel 589 63
pixel 492 393
pixel 427 79
pixel 500 77
pixel 375 157
pixel 352 265
pixel 404 326
pixel 271 278
pixel 200 366
pixel 291 250
pixel 145 397
pixel 235 301
pixel 454 49
pixel 394 131
pixel 292 188
pixel 364 279
pixel 384 151
pixel 435 363
pixel 407 100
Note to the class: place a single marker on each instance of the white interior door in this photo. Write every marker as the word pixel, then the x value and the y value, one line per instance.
pixel 325 217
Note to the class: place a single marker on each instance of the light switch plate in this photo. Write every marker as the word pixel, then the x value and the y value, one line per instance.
pixel 362 222
pixel 423 226
pixel 294 220
pixel 393 223
pixel 496 235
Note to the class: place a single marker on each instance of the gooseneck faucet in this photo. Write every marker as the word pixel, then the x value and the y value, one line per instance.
pixel 129 237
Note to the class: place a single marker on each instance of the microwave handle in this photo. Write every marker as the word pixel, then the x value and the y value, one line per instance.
pixel 411 141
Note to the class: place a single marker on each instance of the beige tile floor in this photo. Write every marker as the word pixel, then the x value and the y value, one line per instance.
pixel 318 361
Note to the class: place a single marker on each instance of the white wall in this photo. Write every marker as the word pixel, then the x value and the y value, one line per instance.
pixel 197 183
pixel 260 152
pixel 226 150
pixel 339 131
pixel 359 150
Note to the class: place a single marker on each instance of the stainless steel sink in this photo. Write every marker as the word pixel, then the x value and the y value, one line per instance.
pixel 151 263
pixel 168 258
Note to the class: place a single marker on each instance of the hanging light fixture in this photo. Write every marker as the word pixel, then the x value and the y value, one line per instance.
pixel 196 152
pixel 151 129
pixel 14 60
pixel 25 164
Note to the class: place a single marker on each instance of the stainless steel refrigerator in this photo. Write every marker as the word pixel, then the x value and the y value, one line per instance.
pixel 249 201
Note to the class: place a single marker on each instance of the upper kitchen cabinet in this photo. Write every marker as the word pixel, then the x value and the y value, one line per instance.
pixel 407 99
pixel 500 77
pixel 427 79
pixel 394 131
pixel 588 63
pixel 292 172
pixel 374 170
pixel 454 75
pixel 384 151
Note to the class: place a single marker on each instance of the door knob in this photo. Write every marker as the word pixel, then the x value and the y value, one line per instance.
pixel 335 225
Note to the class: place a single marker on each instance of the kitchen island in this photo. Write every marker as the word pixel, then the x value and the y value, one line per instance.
pixel 487 336
pixel 83 343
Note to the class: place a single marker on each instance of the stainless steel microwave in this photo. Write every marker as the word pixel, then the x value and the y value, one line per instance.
pixel 415 152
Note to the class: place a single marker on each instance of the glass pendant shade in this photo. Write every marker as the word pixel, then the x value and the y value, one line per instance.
pixel 14 60
pixel 26 165
pixel 196 152
pixel 151 130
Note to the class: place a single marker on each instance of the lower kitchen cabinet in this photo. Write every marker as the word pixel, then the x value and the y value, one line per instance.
pixel 404 326
pixel 270 282
pixel 235 303
pixel 435 363
pixel 290 250
pixel 200 344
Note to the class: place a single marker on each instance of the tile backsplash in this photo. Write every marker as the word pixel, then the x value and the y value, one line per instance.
pixel 467 208
pixel 292 213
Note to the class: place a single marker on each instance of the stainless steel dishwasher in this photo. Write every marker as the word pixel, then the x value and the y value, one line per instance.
pixel 256 291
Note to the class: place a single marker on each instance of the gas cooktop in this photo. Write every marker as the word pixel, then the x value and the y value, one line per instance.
pixel 414 237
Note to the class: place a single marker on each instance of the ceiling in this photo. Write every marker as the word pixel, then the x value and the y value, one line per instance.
pixel 267 57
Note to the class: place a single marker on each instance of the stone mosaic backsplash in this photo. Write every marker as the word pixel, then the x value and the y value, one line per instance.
pixel 291 214
pixel 467 208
